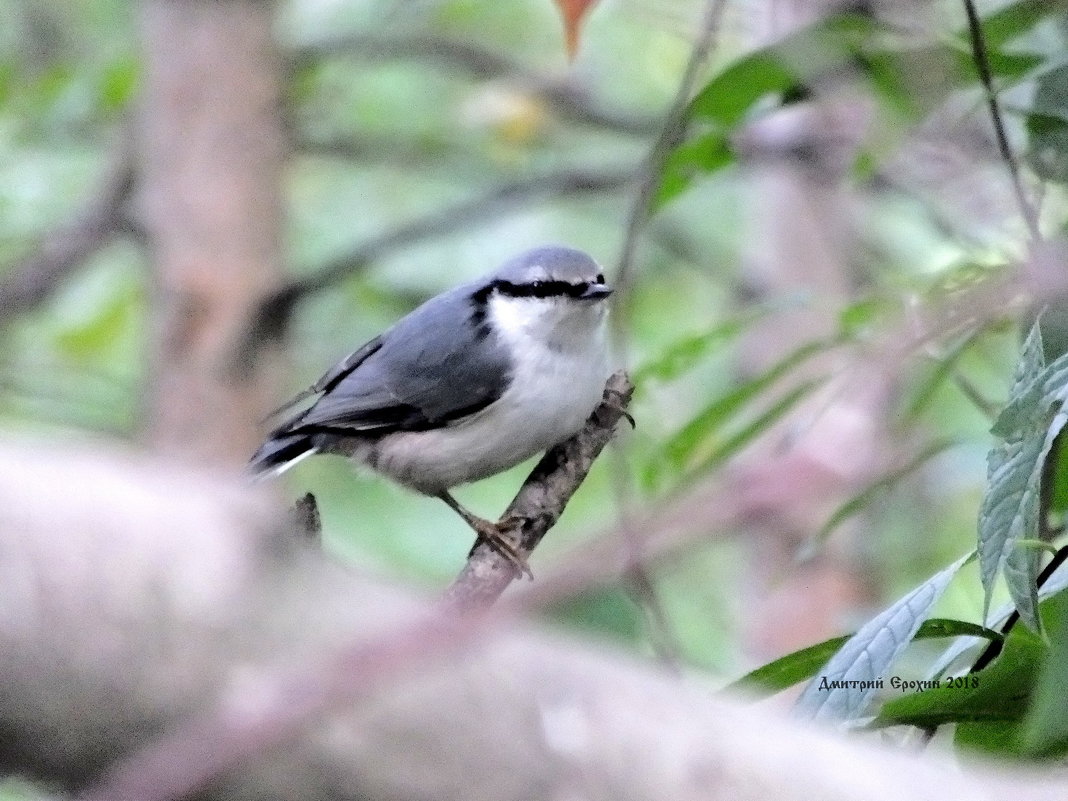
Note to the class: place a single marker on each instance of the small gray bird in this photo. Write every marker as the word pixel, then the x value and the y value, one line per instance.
pixel 472 382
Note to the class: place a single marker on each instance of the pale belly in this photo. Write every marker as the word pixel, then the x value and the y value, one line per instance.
pixel 545 404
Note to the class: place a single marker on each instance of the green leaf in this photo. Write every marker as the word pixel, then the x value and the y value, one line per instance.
pixel 1053 585
pixel 779 69
pixel 696 439
pixel 700 156
pixel 684 354
pixel 861 316
pixel 800 665
pixel 995 737
pixel 1047 126
pixel 839 42
pixel 1045 731
pixel 924 390
pixel 1058 494
pixel 107 319
pixel 1009 513
pixel 999 693
pixel 842 691
pixel 735 442
pixel 118 83
pixel 1014 20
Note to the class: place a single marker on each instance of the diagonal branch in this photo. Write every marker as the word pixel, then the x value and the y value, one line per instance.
pixel 541 500
pixel 63 250
pixel 271 319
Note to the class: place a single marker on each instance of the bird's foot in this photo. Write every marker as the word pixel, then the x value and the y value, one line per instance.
pixel 502 536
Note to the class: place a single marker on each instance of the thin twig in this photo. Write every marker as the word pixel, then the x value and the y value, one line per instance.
pixel 982 64
pixel 671 134
pixel 972 393
pixel 672 131
pixel 272 317
pixel 541 500
pixel 638 583
pixel 64 249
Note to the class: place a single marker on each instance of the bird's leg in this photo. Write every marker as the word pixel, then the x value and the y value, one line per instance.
pixel 492 533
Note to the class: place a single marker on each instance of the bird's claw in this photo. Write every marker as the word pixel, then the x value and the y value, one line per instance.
pixel 500 537
pixel 613 405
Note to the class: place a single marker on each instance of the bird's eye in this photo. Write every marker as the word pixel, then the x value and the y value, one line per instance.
pixel 599 279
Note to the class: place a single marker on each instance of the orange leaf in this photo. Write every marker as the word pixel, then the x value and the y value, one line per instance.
pixel 573 11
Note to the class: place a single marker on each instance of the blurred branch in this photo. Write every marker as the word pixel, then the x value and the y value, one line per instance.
pixel 391 150
pixel 272 317
pixel 63 250
pixel 564 97
pixel 982 64
pixel 541 500
pixel 172 612
pixel 638 584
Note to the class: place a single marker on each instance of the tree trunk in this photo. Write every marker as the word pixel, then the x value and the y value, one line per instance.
pixel 211 149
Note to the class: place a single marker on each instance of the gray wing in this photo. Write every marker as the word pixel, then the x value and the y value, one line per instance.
pixel 434 366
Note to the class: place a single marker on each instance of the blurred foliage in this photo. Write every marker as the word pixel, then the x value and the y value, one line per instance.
pixel 383 137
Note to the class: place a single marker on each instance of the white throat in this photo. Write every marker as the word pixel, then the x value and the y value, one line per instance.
pixel 561 325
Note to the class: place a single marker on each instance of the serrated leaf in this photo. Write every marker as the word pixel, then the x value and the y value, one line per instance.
pixel 803 664
pixel 869 654
pixel 1010 510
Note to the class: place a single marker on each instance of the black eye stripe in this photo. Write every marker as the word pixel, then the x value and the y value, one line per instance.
pixel 541 289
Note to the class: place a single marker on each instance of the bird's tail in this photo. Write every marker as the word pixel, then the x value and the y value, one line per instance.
pixel 281 452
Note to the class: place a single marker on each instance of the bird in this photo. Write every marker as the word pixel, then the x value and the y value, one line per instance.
pixel 474 381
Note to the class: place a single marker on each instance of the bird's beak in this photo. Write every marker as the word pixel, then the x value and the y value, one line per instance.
pixel 596 292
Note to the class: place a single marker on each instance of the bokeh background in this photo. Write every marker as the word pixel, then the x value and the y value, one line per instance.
pixel 822 266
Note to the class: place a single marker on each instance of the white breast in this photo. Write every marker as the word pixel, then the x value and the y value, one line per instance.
pixel 561 365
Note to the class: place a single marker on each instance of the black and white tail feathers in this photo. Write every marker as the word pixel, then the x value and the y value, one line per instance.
pixel 280 452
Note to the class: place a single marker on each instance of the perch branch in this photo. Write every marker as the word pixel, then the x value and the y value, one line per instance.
pixel 541 500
